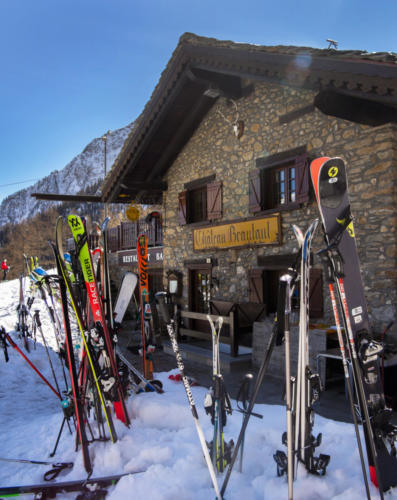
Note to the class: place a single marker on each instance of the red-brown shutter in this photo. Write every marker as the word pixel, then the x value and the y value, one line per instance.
pixel 302 179
pixel 255 286
pixel 254 191
pixel 316 293
pixel 214 200
pixel 182 201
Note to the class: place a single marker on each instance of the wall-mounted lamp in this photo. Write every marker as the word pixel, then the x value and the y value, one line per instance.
pixel 174 285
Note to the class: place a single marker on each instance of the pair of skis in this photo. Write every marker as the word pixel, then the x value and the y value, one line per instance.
pixel 147 348
pixel 357 345
pixel 303 390
pixel 217 403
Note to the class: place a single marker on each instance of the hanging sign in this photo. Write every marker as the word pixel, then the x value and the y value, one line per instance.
pixel 130 257
pixel 264 231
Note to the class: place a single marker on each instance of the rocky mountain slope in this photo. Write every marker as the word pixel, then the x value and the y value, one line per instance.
pixel 83 173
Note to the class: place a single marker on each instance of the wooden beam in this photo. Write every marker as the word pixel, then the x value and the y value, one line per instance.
pixel 134 186
pixel 67 197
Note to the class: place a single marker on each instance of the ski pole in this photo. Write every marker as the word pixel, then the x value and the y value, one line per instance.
pixel 258 383
pixel 243 393
pixel 348 385
pixel 285 283
pixel 37 322
pixel 49 475
pixel 172 335
pixel 360 385
pixel 13 344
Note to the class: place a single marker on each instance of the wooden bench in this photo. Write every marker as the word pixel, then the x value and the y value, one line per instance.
pixel 229 321
pixel 238 320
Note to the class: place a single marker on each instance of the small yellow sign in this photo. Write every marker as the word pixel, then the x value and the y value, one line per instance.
pixel 265 231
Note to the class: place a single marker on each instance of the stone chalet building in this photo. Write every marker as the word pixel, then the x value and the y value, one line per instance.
pixel 224 146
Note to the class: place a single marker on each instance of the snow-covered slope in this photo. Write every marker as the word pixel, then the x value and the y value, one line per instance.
pixel 81 173
pixel 162 440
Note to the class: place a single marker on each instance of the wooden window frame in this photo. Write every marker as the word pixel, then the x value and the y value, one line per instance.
pixel 262 195
pixel 212 202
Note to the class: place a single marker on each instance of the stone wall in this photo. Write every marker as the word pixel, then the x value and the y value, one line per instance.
pixel 260 340
pixel 213 149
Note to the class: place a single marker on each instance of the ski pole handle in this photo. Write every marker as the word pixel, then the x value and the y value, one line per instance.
pixel 160 297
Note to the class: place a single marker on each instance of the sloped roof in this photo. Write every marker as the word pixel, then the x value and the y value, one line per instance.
pixel 180 101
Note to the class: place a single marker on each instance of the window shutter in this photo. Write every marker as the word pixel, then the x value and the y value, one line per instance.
pixel 302 179
pixel 255 286
pixel 316 293
pixel 214 200
pixel 182 200
pixel 254 191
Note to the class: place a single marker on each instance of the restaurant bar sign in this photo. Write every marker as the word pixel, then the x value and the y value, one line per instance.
pixel 264 231
pixel 130 257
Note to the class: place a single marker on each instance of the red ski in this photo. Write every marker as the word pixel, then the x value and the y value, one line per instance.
pixel 80 237
pixel 146 312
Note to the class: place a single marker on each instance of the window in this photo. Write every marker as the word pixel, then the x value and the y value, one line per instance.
pixel 197 204
pixel 280 183
pixel 283 183
pixel 201 201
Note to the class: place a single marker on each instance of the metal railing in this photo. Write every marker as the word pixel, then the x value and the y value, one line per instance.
pixel 124 236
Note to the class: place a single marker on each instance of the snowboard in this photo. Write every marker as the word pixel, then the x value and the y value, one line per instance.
pixel 124 296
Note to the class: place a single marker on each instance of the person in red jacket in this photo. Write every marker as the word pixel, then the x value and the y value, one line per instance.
pixel 5 268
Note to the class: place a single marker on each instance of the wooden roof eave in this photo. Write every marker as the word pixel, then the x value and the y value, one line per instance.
pixel 129 161
pixel 353 76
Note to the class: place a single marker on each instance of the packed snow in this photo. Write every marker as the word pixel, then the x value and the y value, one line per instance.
pixel 162 440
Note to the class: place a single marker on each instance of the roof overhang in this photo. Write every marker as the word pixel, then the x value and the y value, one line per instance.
pixel 202 69
pixel 67 197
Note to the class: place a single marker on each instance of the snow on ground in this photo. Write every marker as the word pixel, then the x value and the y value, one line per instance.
pixel 162 439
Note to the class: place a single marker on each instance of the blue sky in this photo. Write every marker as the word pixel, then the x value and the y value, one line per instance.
pixel 73 69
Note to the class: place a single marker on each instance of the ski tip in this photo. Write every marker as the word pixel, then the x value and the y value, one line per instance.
pixel 372 475
pixel 315 167
pixel 298 234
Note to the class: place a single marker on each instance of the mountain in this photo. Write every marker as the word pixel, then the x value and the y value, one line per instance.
pixel 83 173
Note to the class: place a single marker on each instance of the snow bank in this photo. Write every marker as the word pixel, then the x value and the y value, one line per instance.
pixel 162 439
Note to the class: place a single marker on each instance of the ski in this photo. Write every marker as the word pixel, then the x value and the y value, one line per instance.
pixel 217 404
pixel 107 295
pixel 175 347
pixel 23 313
pixel 89 351
pixel 308 384
pixel 145 306
pixel 144 384
pixel 346 370
pixel 100 324
pixel 50 490
pixel 78 404
pixel 286 287
pixel 330 183
pixel 303 389
pixel 124 296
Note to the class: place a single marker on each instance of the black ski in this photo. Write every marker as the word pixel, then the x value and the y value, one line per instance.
pixel 99 378
pixel 330 184
pixel 78 403
pixel 50 490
